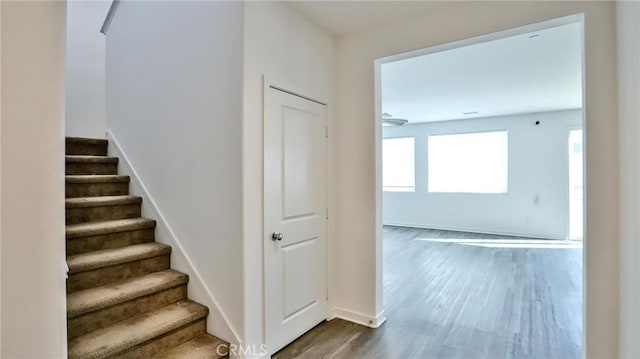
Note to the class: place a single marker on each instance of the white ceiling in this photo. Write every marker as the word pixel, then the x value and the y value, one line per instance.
pixel 341 17
pixel 513 75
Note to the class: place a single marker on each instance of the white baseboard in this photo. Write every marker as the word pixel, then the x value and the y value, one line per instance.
pixel 217 322
pixel 471 230
pixel 358 318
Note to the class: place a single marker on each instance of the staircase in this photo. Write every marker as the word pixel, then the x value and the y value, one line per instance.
pixel 123 300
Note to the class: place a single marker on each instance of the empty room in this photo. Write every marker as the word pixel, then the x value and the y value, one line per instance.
pixel 482 196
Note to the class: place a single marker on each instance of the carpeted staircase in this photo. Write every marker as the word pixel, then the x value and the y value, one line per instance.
pixel 123 300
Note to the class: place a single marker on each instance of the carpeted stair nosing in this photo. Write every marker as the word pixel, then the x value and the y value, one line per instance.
pixel 106 227
pixel 91 179
pixel 86 141
pixel 101 201
pixel 90 159
pixel 111 257
pixel 127 334
pixel 94 299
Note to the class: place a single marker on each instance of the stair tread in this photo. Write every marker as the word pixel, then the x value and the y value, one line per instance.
pixel 105 227
pixel 127 334
pixel 89 158
pixel 83 202
pixel 86 140
pixel 96 178
pixel 89 300
pixel 204 346
pixel 109 257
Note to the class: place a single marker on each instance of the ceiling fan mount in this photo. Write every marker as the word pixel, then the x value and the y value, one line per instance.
pixel 388 119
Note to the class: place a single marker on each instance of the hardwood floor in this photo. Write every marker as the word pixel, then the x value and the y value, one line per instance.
pixel 448 299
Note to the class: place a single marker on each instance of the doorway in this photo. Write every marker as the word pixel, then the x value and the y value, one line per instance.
pixel 481 221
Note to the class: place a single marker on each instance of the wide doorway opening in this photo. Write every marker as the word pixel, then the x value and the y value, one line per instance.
pixel 482 194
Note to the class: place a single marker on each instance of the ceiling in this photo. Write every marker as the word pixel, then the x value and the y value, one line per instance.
pixel 341 17
pixel 535 72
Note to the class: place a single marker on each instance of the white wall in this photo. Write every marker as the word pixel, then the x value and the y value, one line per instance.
pixel 358 227
pixel 174 104
pixel 537 202
pixel 628 16
pixel 32 194
pixel 85 75
pixel 286 47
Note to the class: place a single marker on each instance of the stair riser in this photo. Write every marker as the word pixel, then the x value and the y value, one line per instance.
pixel 85 168
pixel 164 343
pixel 103 213
pixel 102 276
pixel 107 241
pixel 73 190
pixel 99 319
pixel 86 149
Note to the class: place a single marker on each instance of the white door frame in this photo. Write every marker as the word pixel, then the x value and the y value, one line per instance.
pixel 575 18
pixel 270 84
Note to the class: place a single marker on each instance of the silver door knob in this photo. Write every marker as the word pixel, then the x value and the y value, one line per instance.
pixel 276 236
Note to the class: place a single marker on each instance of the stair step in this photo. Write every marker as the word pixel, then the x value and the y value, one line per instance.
pixel 107 227
pixel 91 165
pixel 88 202
pixel 94 299
pixel 143 336
pixel 204 346
pixel 98 268
pixel 95 236
pixel 109 257
pixel 86 146
pixel 105 208
pixel 96 185
pixel 95 308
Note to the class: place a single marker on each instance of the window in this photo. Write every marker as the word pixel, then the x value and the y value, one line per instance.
pixel 398 164
pixel 468 163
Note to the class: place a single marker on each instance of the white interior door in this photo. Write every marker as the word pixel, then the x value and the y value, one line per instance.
pixel 295 243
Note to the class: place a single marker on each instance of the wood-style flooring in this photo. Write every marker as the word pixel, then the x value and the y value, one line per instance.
pixel 446 299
